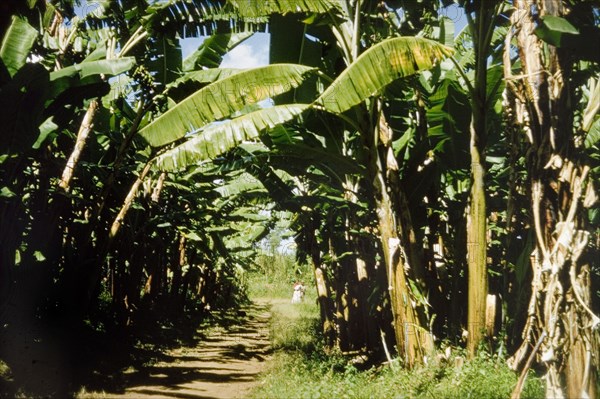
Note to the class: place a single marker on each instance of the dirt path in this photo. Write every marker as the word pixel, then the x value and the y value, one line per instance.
pixel 225 364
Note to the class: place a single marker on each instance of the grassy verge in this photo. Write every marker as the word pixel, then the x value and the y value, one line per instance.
pixel 300 369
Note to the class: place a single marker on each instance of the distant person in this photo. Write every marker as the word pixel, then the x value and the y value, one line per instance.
pixel 298 295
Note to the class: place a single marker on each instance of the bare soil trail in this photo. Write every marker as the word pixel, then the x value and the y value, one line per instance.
pixel 225 364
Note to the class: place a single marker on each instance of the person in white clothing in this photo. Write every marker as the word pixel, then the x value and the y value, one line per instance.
pixel 298 295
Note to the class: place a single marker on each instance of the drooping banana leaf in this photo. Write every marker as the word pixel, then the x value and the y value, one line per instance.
pixel 449 118
pixel 248 214
pixel 446 35
pixel 74 75
pixel 593 135
pixel 379 66
pixel 243 183
pixel 211 52
pixel 205 76
pixel 276 183
pixel 81 81
pixel 221 99
pixel 592 107
pixel 107 67
pixel 221 137
pixel 192 18
pixel 16 44
pixel 164 58
pixel 189 18
pixel 555 30
pixel 191 82
pixel 256 9
pixel 246 237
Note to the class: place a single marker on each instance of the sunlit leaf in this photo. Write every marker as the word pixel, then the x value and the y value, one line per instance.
pixel 16 44
pixel 379 66
pixel 221 99
pixel 100 67
pixel 221 137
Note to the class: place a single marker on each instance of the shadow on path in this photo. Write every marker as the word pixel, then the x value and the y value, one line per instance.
pixel 225 363
pixel 165 361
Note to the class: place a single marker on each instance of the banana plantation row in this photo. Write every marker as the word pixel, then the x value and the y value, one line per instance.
pixel 440 181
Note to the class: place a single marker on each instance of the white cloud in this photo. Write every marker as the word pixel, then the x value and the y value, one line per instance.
pixel 190 44
pixel 253 53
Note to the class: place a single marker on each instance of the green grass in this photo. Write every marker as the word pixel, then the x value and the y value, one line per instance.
pixel 301 369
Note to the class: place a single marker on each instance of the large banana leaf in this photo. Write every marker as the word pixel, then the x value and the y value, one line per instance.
pixel 204 76
pixel 16 44
pixel 211 51
pixel 256 9
pixel 88 68
pixel 192 18
pixel 84 80
pixel 379 66
pixel 164 58
pixel 248 214
pixel 191 82
pixel 219 138
pixel 244 183
pixel 221 99
pixel 247 235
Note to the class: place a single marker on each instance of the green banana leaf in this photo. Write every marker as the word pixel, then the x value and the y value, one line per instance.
pixel 379 66
pixel 164 58
pixel 211 51
pixel 16 44
pixel 221 99
pixel 245 238
pixel 107 67
pixel 205 76
pixel 221 137
pixel 191 82
pixel 256 9
pixel 244 183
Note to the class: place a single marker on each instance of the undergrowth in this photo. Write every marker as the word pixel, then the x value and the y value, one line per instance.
pixel 301 369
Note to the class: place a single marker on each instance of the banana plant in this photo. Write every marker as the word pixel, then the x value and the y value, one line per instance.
pixel 385 63
pixel 560 213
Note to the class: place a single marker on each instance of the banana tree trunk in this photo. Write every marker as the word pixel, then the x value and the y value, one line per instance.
pixel 482 28
pixel 116 225
pixel 412 340
pixel 323 286
pixel 82 135
pixel 362 331
pixel 476 247
pixel 561 191
pixel 365 323
pixel 406 324
pixel 120 157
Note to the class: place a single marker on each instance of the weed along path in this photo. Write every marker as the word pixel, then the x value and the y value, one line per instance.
pixel 225 364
